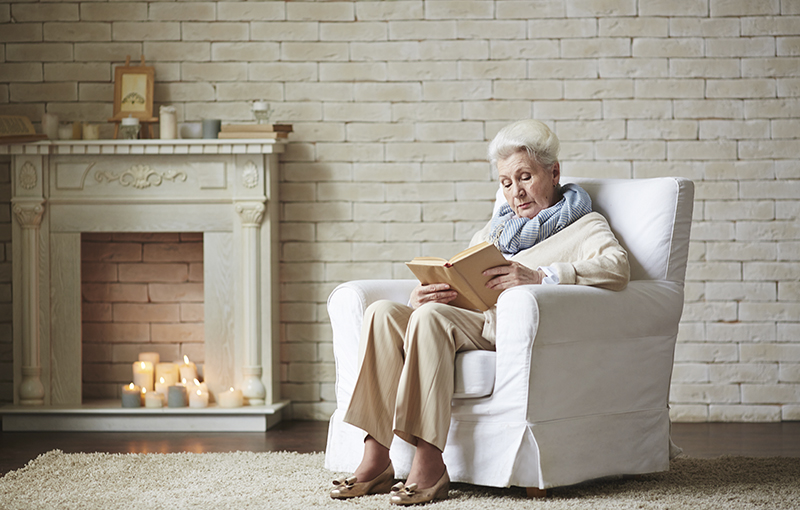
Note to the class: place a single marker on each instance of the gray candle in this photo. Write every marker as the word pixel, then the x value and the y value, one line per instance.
pixel 131 396
pixel 211 128
pixel 177 396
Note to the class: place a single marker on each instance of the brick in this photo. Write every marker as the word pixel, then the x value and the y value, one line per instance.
pixel 118 11
pixel 558 28
pixel 351 72
pixel 387 212
pixel 96 312
pixel 21 32
pixel 387 92
pixel 349 152
pixel 178 333
pixel 406 71
pixel 115 333
pixel 151 31
pixel 419 232
pixel 600 8
pixel 637 109
pixel 633 68
pixel 776 67
pixel 463 9
pixel 770 393
pixel 735 291
pixel 740 47
pixel 367 269
pixel 662 129
pixel 173 252
pixel 132 312
pixel 690 373
pixel 704 68
pixel 709 109
pixel 716 129
pixel 248 11
pixel 771 108
pixel 667 47
pixel 22 72
pixel 596 47
pixel 507 70
pixel 389 10
pixel 632 27
pixel 706 393
pixel 380 51
pixel 362 192
pixel 457 90
pixel 563 68
pixel 528 89
pixel 454 50
pixel 769 25
pixel 774 271
pixel 38 52
pixel 631 150
pixel 741 251
pixel 673 8
pixel 316 11
pixel 307 252
pixel 30 92
pixel 704 27
pixel 180 292
pixel 155 273
pixel 357 31
pixel 598 89
pixel 786 129
pixel 192 312
pixel 129 353
pixel 114 292
pixel 741 332
pixel 36 12
pixel 491 29
pixel 313 51
pixel 418 30
pixel 590 130
pixel 527 10
pixel 744 7
pixel 446 131
pixel 200 11
pixel 701 150
pixel 348 231
pixel 744 413
pixel 98 272
pixel 563 110
pixel 679 413
pixel 368 112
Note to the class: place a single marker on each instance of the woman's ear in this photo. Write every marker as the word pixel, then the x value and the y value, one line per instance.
pixel 556 173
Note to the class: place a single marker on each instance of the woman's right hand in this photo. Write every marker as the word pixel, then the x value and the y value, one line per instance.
pixel 433 293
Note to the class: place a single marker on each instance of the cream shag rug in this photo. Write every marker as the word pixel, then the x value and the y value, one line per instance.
pixel 294 481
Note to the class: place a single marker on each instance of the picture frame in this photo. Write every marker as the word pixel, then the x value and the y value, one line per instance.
pixel 133 91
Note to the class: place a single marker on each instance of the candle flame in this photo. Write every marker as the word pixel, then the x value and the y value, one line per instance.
pixel 186 359
pixel 144 390
pixel 131 386
pixel 196 382
pixel 199 393
pixel 161 380
pixel 183 381
pixel 231 388
pixel 143 365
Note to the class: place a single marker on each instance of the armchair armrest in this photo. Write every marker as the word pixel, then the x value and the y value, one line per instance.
pixel 578 351
pixel 346 306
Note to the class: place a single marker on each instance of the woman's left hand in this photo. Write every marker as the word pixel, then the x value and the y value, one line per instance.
pixel 515 274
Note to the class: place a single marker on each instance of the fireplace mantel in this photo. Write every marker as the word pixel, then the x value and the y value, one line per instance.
pixel 227 189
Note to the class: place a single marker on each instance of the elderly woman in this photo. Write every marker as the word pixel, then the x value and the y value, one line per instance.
pixel 405 383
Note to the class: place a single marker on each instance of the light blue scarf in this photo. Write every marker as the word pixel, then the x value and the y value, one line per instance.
pixel 512 234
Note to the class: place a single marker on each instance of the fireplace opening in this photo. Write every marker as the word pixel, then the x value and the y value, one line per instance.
pixel 140 292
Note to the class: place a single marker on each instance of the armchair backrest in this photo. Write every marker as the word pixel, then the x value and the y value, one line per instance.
pixel 651 218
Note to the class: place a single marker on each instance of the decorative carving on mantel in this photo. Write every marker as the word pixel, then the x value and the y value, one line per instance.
pixel 250 175
pixel 28 177
pixel 28 212
pixel 251 213
pixel 140 176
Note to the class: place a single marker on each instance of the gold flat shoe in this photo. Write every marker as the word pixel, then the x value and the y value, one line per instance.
pixel 410 495
pixel 351 488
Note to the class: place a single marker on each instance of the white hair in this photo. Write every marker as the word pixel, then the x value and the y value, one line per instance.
pixel 532 136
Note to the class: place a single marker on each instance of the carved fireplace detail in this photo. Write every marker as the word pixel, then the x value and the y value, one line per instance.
pixel 225 189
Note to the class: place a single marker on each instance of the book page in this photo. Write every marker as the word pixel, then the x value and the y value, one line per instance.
pixel 14 125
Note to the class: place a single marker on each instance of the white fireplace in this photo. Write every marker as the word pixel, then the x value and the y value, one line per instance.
pixel 226 189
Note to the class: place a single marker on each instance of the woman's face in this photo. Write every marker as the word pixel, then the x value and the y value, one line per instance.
pixel 528 187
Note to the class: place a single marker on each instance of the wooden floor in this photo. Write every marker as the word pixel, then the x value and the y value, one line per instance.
pixel 697 440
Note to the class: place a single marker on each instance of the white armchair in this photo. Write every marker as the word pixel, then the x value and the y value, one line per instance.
pixel 578 387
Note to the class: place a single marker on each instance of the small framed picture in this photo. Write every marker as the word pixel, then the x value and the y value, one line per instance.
pixel 133 91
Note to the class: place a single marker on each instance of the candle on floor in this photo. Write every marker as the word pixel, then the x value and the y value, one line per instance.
pixel 169 371
pixel 154 399
pixel 177 397
pixel 230 398
pixel 188 370
pixel 152 357
pixel 143 374
pixel 198 398
pixel 131 396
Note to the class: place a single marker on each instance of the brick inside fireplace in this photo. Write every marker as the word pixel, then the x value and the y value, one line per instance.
pixel 140 292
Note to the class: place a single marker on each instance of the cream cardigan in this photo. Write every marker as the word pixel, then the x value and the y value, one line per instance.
pixel 584 253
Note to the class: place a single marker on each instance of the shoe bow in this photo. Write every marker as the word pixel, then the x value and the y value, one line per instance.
pixel 405 489
pixel 346 483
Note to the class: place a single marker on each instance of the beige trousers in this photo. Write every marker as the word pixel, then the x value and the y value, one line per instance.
pixel 405 380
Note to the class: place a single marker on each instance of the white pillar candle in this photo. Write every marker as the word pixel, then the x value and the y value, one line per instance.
pixel 50 125
pixel 162 386
pixel 143 374
pixel 168 125
pixel 230 398
pixel 152 357
pixel 188 370
pixel 65 132
pixel 154 399
pixel 91 131
pixel 131 396
pixel 198 398
pixel 260 105
pixel 169 372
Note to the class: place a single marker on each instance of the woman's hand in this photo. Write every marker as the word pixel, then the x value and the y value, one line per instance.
pixel 506 277
pixel 433 293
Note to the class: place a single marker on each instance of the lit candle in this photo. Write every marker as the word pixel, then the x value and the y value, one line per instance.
pixel 231 398
pixel 188 370
pixel 143 374
pixel 198 398
pixel 154 399
pixel 169 372
pixel 197 385
pixel 162 386
pixel 131 396
pixel 177 397
pixel 152 357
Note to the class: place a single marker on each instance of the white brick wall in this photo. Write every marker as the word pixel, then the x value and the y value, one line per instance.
pixel 394 102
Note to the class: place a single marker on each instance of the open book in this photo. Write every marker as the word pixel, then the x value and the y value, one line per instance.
pixel 463 274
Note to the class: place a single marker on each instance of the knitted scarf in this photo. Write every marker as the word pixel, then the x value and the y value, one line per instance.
pixel 512 234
